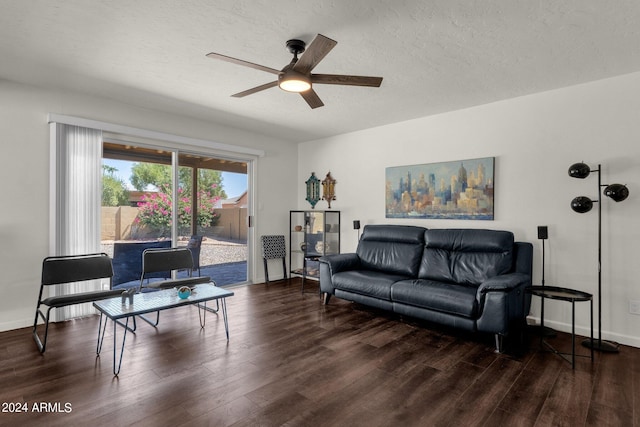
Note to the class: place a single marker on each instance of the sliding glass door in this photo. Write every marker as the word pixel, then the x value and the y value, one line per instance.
pixel 213 197
pixel 160 197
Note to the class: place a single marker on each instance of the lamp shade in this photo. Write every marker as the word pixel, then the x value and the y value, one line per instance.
pixel 581 204
pixel 617 192
pixel 356 224
pixel 579 170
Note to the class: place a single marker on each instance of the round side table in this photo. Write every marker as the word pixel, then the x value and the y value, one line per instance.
pixel 569 295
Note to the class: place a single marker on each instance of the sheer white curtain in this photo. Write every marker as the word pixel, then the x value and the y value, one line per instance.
pixel 76 200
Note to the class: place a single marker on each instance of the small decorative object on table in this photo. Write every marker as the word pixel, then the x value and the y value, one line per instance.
pixel 128 295
pixel 321 247
pixel 184 292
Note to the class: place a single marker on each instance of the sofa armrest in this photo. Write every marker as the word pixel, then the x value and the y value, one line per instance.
pixel 341 262
pixel 503 302
pixel 332 264
pixel 503 283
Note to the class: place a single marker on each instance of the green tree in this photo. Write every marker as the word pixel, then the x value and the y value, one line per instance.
pixel 144 175
pixel 114 189
pixel 158 176
pixel 209 181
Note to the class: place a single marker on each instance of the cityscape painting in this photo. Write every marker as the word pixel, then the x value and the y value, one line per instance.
pixel 461 189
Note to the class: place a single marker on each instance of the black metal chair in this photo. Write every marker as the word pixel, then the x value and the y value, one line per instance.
pixel 58 270
pixel 127 262
pixel 167 260
pixel 194 245
pixel 273 247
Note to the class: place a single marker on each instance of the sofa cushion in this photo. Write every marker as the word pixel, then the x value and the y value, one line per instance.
pixel 366 282
pixel 443 297
pixel 466 257
pixel 393 249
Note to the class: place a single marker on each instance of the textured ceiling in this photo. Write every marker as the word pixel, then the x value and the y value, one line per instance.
pixel 435 56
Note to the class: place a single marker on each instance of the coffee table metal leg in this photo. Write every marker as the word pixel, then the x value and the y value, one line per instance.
pixel 101 331
pixel 209 309
pixel 115 348
pixel 224 315
pixel 202 314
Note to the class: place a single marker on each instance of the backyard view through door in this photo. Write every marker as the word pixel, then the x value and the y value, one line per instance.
pixel 141 207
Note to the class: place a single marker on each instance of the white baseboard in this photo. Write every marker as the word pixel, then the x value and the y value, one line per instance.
pixel 15 324
pixel 629 340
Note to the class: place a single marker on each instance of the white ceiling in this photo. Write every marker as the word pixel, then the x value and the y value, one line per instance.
pixel 435 55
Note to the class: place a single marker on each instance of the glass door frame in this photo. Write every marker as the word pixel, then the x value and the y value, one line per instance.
pixel 176 151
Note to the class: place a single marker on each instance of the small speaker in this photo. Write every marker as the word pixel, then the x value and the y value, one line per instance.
pixel 543 232
pixel 356 225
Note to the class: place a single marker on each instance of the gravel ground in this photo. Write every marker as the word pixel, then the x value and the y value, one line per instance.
pixel 220 252
pixel 213 251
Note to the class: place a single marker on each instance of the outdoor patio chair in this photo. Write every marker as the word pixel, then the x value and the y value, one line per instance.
pixel 58 270
pixel 194 245
pixel 273 247
pixel 167 260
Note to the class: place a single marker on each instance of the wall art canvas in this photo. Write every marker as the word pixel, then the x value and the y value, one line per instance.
pixel 460 189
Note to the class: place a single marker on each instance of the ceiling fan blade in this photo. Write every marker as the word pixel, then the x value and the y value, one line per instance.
pixel 312 98
pixel 339 79
pixel 255 89
pixel 316 51
pixel 241 62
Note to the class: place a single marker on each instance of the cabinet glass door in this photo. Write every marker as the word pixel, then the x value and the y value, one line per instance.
pixel 313 234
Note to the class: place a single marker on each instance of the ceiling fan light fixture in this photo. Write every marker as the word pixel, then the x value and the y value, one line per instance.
pixel 297 77
pixel 292 81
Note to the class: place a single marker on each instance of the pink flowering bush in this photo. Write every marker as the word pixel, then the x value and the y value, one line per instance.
pixel 155 209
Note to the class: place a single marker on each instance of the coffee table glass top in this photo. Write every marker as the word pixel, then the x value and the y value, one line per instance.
pixel 154 301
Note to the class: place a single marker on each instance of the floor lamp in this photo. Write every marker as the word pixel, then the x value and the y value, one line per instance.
pixel 356 226
pixel 582 204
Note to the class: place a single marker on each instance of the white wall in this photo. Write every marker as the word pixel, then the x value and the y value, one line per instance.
pixel 24 180
pixel 534 140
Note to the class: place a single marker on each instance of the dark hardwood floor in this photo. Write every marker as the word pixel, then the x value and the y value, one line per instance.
pixel 292 361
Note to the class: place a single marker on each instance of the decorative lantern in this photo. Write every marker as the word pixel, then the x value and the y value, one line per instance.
pixel 313 190
pixel 329 189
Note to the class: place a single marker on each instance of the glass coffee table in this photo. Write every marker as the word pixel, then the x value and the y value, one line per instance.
pixel 120 310
pixel 572 296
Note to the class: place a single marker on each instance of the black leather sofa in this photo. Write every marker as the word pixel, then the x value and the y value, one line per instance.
pixel 465 278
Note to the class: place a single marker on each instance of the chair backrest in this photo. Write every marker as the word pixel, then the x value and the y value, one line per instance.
pixel 156 260
pixel 194 245
pixel 76 268
pixel 273 247
pixel 127 259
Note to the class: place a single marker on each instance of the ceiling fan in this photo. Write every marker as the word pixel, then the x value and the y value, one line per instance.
pixel 297 77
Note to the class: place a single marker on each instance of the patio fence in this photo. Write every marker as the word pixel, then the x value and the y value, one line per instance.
pixel 118 223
